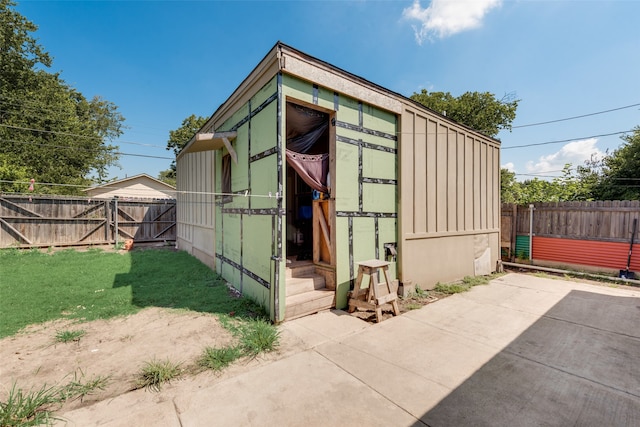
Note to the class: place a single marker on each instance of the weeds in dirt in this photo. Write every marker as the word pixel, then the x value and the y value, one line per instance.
pixel 30 408
pixel 157 372
pixel 78 388
pixel 452 288
pixel 466 284
pixel 258 336
pixel 67 336
pixel 413 306
pixel 219 358
pixel 35 407
pixel 420 293
pixel 254 336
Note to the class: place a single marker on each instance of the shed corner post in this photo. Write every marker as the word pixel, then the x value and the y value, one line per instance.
pixel 277 318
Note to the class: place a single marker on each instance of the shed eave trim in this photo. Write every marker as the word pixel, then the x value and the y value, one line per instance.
pixel 214 141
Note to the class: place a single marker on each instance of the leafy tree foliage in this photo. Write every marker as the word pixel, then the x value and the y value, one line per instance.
pixel 168 176
pixel 48 130
pixel 562 189
pixel 178 138
pixel 478 110
pixel 617 175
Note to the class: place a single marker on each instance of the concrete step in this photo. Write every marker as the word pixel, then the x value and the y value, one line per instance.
pixel 309 282
pixel 308 303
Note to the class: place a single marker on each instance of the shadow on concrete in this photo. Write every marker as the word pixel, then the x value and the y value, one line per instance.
pixel 578 365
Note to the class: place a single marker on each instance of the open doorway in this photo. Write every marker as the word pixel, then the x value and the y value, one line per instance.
pixel 308 181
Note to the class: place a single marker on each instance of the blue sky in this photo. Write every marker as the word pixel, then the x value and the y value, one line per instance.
pixel 161 61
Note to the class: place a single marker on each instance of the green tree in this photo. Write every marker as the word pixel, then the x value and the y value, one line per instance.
pixel 178 138
pixel 168 176
pixel 48 129
pixel 617 175
pixel 568 187
pixel 478 110
pixel 572 187
pixel 510 191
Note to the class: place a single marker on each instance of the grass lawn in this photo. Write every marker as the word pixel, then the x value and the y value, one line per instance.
pixel 36 287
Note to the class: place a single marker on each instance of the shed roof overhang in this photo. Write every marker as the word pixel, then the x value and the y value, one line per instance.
pixel 214 141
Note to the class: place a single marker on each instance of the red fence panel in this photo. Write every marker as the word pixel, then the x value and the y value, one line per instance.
pixel 611 255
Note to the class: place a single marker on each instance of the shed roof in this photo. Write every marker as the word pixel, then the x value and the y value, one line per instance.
pixel 286 59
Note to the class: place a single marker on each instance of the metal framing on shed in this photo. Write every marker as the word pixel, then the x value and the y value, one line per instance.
pixel 406 184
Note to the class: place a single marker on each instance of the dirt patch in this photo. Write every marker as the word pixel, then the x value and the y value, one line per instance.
pixel 115 348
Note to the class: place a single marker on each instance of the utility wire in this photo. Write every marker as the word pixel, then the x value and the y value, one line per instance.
pixel 574 117
pixel 116 187
pixel 120 153
pixel 565 140
pixel 79 136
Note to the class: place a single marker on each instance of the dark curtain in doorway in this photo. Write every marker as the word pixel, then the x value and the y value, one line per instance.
pixel 306 155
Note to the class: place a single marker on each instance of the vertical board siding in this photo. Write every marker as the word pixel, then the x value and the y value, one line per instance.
pixel 449 206
pixel 453 178
pixel 420 219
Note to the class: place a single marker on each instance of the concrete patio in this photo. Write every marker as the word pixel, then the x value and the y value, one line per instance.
pixel 522 350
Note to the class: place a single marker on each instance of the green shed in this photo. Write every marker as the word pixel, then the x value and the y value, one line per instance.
pixel 306 170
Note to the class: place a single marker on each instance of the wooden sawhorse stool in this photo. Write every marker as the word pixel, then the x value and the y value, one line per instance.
pixel 376 295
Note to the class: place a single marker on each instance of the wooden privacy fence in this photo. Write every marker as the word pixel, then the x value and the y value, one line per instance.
pixel 41 221
pixel 586 233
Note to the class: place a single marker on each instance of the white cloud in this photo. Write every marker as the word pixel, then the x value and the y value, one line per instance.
pixel 509 166
pixel 575 152
pixel 443 18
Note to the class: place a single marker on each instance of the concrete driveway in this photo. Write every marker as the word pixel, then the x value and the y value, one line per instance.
pixel 520 351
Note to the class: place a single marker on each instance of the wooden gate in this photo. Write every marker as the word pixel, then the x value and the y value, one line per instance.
pixel 41 221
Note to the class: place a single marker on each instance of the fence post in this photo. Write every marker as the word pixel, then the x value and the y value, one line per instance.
pixel 107 220
pixel 514 232
pixel 531 208
pixel 115 221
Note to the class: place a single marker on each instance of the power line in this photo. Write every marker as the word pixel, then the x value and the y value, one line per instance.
pixel 574 117
pixel 78 135
pixel 116 187
pixel 565 140
pixel 23 104
pixel 120 153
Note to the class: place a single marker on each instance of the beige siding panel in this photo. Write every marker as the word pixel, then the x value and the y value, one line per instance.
pixel 441 179
pixel 468 183
pixel 448 192
pixel 477 177
pixel 460 177
pixel 496 188
pixel 406 161
pixel 483 185
pixel 430 175
pixel 419 177
pixel 452 181
pixel 195 213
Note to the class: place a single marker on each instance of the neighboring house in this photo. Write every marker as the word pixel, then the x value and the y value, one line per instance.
pixel 307 161
pixel 140 186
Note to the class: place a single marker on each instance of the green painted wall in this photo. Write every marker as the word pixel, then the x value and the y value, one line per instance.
pixel 348 190
pixel 244 238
